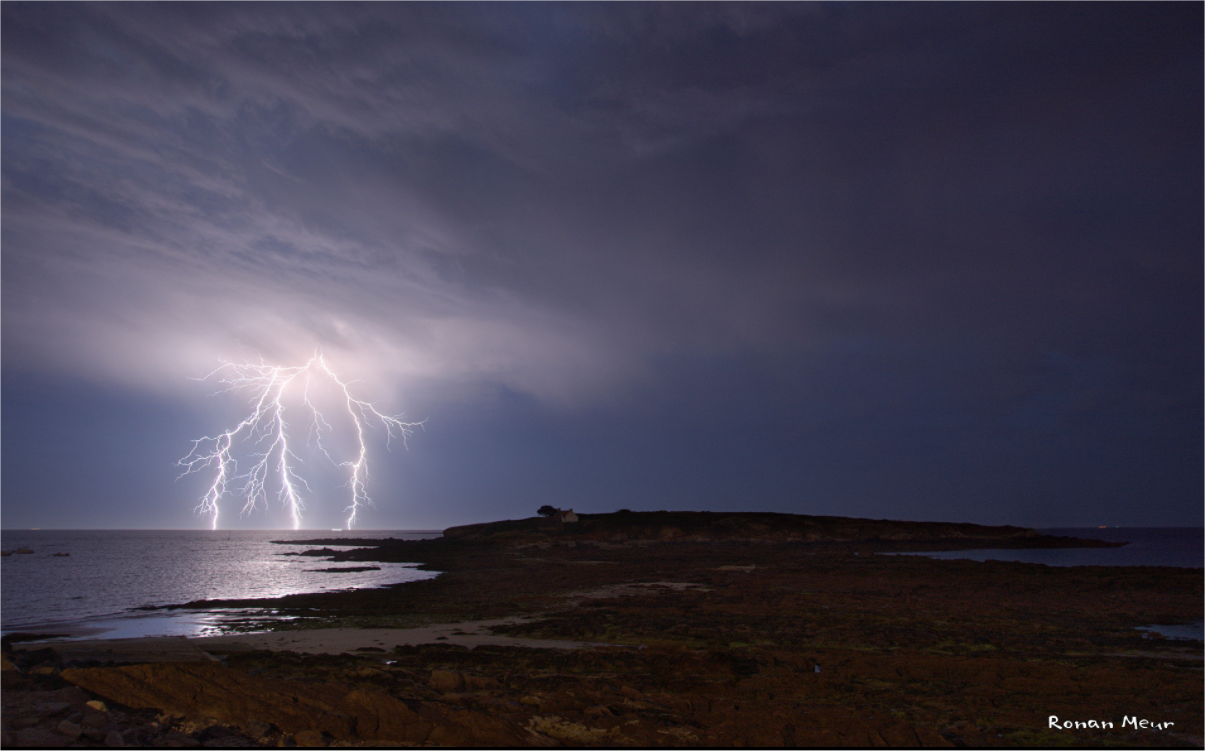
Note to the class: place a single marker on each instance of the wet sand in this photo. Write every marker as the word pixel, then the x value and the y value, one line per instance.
pixel 329 641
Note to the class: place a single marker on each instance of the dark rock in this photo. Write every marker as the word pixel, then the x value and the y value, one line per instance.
pixel 745 667
pixel 381 717
pixel 94 719
pixel 256 728
pixel 447 681
pixel 39 738
pixel 343 570
pixel 480 683
pixel 309 739
pixel 210 690
pixel 73 695
pixel 235 698
pixel 69 729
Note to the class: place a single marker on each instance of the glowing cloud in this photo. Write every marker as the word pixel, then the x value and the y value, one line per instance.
pixel 269 386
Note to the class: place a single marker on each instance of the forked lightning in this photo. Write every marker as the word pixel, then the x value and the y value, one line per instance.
pixel 269 385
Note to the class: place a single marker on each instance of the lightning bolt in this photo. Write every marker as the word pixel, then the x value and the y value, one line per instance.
pixel 268 431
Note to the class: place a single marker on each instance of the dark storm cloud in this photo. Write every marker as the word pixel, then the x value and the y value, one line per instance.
pixel 263 160
pixel 856 219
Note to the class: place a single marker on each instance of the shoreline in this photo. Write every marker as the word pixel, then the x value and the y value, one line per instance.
pixel 329 641
pixel 192 620
pixel 671 643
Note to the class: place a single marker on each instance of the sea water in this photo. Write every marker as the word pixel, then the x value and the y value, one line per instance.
pixel 1148 546
pixel 109 579
pixel 1182 547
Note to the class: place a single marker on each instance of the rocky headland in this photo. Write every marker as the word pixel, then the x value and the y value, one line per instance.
pixel 705 526
pixel 698 630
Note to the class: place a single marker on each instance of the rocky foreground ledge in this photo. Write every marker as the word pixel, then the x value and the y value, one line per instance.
pixel 721 633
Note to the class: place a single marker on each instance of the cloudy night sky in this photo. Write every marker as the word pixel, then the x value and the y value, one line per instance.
pixel 911 261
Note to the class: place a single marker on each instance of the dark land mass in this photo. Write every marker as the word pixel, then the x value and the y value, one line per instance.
pixel 702 526
pixel 344 569
pixel 715 630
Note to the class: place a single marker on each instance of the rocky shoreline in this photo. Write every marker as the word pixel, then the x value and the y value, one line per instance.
pixel 728 631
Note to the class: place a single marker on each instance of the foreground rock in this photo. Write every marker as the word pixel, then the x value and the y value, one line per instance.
pixel 438 695
pixel 41 710
pixel 548 703
pixel 328 710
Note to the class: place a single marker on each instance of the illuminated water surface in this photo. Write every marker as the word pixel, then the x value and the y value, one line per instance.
pixel 99 588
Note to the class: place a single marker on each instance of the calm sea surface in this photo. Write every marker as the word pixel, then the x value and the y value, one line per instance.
pixel 1182 547
pixel 97 589
pixel 1148 546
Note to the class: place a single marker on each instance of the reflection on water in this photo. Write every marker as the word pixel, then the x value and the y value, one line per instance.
pixel 172 623
pixel 107 576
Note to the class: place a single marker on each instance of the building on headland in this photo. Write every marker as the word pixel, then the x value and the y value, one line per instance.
pixel 556 517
